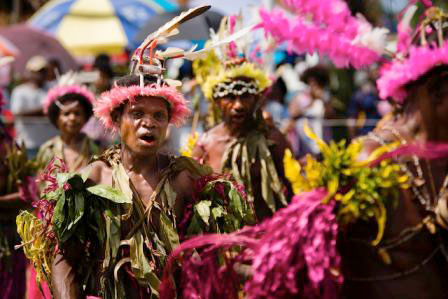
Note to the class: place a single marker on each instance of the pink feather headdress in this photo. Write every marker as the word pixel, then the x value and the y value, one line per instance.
pixel 413 61
pixel 146 60
pixel 110 100
pixel 58 91
pixel 396 76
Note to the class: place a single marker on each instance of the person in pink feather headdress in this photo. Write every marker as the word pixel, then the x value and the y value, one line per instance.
pixel 107 230
pixel 412 260
pixel 68 106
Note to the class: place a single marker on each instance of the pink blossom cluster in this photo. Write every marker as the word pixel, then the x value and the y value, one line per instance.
pixel 110 100
pixel 59 91
pixel 49 175
pixel 28 189
pixel 298 241
pixel 307 37
pixel 395 76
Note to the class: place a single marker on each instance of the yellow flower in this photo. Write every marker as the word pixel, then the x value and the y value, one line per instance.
pixel 187 151
pixel 361 190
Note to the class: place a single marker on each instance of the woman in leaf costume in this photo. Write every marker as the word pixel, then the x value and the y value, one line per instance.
pixel 69 107
pixel 107 232
pixel 17 190
pixel 369 219
pixel 243 144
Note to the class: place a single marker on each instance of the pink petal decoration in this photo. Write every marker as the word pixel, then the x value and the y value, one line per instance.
pixel 293 254
pixel 307 37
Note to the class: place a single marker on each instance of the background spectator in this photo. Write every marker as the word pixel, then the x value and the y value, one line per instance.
pixel 364 103
pixel 312 106
pixel 31 126
pixel 275 102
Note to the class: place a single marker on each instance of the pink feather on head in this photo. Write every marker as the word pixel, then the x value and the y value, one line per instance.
pixel 58 91
pixel 396 76
pixel 118 95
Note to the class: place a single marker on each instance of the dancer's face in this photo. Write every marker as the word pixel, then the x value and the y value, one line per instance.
pixel 71 120
pixel 432 101
pixel 143 125
pixel 238 110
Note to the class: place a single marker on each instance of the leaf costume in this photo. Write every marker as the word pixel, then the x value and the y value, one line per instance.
pixel 16 172
pixel 114 233
pixel 236 70
pixel 55 148
pixel 239 158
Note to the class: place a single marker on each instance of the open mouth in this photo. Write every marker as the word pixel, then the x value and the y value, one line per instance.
pixel 148 138
pixel 238 116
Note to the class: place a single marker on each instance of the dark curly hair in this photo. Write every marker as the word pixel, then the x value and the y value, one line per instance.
pixel 53 110
pixel 318 73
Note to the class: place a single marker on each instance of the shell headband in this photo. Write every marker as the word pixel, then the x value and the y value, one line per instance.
pixel 234 88
pixel 236 59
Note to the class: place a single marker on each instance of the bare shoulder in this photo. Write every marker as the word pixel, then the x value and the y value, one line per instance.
pixel 206 140
pixel 210 135
pixel 99 173
pixel 279 139
pixel 183 183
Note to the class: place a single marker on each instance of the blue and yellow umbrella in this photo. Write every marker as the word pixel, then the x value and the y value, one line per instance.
pixel 90 27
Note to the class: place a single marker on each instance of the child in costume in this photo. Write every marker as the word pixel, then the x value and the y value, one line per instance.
pixel 69 107
pixel 107 232
pixel 242 144
pixel 369 219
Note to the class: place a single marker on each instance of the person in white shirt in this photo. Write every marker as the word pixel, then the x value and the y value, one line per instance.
pixel 311 106
pixel 32 127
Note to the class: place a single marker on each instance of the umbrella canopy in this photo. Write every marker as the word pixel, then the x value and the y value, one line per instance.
pixel 32 42
pixel 90 27
pixel 196 29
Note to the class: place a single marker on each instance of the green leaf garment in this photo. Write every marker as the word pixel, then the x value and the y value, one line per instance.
pixel 55 148
pixel 118 249
pixel 240 157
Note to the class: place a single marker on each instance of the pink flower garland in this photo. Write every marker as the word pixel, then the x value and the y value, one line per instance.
pixel 59 91
pixel 291 255
pixel 308 38
pixel 110 100
pixel 394 77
